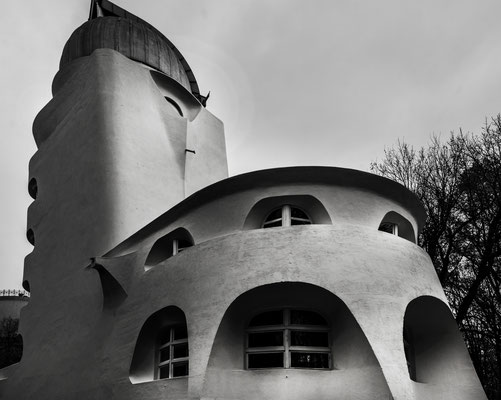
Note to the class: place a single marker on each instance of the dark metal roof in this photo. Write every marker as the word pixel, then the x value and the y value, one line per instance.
pixel 110 26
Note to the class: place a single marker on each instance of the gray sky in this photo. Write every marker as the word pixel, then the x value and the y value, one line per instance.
pixel 326 82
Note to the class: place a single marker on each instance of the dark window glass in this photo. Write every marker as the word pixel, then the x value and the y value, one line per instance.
pixel 183 244
pixel 386 227
pixel 277 214
pixel 300 317
pixel 309 360
pixel 164 354
pixel 164 337
pixel 312 339
pixel 164 372
pixel 297 213
pixel 180 350
pixel 180 332
pixel 268 318
pixel 300 222
pixel 266 360
pixel 180 369
pixel 264 339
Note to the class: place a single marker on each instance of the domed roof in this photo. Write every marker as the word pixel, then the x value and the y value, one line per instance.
pixel 136 40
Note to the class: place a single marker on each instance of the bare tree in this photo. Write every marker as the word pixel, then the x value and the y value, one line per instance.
pixel 459 184
pixel 11 342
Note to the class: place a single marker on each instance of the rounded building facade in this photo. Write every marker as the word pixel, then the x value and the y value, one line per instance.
pixel 327 301
pixel 155 276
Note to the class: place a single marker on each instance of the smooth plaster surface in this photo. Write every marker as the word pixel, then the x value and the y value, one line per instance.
pixel 114 175
pixel 348 265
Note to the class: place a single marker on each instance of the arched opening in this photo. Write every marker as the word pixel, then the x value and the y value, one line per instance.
pixel 167 246
pixel 296 331
pixel 434 350
pixel 33 188
pixel 286 211
pixel 30 235
pixel 162 349
pixel 396 224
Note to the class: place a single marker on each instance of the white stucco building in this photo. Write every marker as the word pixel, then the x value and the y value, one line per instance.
pixel 155 276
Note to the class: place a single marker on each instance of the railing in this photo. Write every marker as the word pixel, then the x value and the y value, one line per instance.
pixel 14 292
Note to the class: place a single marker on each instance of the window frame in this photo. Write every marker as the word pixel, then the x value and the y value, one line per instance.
pixel 389 226
pixel 287 348
pixel 286 218
pixel 171 361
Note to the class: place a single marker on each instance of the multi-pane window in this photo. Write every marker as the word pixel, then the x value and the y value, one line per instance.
pixel 173 352
pixel 286 215
pixel 288 338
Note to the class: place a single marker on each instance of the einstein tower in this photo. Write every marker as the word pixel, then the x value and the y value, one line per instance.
pixel 154 275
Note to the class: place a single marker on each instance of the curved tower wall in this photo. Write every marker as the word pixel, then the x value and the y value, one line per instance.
pixel 112 155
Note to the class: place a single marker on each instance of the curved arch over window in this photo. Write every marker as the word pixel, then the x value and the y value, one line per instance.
pixel 286 215
pixel 288 338
pixel 168 245
pixel 301 209
pixel 396 224
pixel 433 346
pixel 162 350
pixel 349 349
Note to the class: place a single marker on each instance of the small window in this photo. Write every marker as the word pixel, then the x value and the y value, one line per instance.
pixel 169 245
pixel 288 339
pixel 286 215
pixel 389 227
pixel 395 224
pixel 172 353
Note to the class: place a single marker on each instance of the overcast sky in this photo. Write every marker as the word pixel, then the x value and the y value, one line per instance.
pixel 296 82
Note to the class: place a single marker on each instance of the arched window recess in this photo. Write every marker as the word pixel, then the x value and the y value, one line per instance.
pixel 395 224
pixel 162 349
pixel 168 245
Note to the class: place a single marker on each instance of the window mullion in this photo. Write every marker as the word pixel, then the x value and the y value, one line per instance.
pixel 175 247
pixel 286 215
pixel 287 315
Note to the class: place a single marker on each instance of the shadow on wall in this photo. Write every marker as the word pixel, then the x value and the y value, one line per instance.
pixel 351 372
